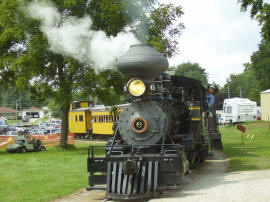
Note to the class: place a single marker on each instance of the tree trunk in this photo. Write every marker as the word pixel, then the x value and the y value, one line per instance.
pixel 64 125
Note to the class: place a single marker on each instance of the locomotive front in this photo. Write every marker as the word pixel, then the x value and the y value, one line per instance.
pixel 157 138
pixel 147 119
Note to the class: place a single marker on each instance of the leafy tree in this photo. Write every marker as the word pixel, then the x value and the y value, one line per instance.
pixel 260 63
pixel 192 70
pixel 152 22
pixel 55 109
pixel 26 56
pixel 244 84
pixel 260 10
pixel 163 32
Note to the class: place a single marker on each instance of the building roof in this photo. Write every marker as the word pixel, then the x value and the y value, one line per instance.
pixel 32 109
pixel 7 110
pixel 266 91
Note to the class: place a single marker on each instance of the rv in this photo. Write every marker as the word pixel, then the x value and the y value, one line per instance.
pixel 238 110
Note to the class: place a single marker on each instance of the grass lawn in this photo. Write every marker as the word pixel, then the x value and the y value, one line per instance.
pixel 254 154
pixel 42 176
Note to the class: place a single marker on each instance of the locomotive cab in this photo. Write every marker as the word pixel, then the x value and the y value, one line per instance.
pixel 159 136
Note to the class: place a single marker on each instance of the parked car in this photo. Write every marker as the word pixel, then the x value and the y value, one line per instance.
pixel 11 133
pixel 36 132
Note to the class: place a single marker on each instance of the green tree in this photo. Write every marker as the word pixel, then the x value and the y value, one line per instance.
pixel 192 70
pixel 55 109
pixel 261 64
pixel 244 84
pixel 25 52
pixel 152 22
pixel 12 96
pixel 260 10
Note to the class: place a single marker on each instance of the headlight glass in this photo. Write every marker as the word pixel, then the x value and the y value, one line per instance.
pixel 136 87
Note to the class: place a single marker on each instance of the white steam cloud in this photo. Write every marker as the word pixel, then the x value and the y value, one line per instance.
pixel 73 36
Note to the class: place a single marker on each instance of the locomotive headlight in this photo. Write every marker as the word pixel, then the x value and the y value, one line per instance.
pixel 136 87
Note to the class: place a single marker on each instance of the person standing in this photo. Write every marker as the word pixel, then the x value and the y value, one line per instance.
pixel 210 97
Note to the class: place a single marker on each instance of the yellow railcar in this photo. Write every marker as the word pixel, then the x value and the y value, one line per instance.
pixel 80 118
pixel 103 121
pixel 90 122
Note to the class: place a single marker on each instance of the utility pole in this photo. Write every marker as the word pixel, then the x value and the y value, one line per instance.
pixel 16 112
pixel 229 91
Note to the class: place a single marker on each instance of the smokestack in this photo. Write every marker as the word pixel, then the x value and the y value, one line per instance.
pixel 142 61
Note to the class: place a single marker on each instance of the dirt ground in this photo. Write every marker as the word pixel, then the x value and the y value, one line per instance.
pixel 208 182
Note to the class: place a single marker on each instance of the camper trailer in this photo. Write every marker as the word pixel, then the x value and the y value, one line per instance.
pixel 238 110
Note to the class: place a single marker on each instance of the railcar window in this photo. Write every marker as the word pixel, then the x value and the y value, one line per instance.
pixel 76 119
pixel 81 117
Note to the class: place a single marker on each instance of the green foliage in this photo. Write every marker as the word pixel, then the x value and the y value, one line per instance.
pixel 245 82
pixel 256 6
pixel 107 86
pixel 260 10
pixel 12 96
pixel 192 70
pixel 163 29
pixel 254 154
pixel 55 109
pixel 153 23
pixel 261 64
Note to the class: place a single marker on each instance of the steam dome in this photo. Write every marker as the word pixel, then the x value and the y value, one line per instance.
pixel 142 61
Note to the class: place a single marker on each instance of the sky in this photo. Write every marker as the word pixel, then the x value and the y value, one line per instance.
pixel 217 35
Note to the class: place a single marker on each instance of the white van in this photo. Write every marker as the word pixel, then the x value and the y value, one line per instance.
pixel 239 110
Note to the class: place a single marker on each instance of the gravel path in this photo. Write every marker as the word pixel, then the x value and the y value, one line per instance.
pixel 208 182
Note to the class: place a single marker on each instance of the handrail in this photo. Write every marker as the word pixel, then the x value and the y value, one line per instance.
pixel 135 147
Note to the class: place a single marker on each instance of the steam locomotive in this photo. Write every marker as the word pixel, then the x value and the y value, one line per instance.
pixel 164 132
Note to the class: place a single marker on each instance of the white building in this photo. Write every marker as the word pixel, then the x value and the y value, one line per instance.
pixel 265 105
pixel 33 112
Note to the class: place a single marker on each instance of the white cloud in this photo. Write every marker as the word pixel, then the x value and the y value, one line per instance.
pixel 218 36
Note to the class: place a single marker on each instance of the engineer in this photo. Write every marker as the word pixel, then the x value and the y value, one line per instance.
pixel 210 97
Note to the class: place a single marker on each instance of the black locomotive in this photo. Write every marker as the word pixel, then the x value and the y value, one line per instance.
pixel 164 132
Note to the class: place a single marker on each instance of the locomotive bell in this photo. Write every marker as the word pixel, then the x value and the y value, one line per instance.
pixel 142 61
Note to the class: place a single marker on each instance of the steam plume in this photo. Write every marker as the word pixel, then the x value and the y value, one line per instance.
pixel 73 36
